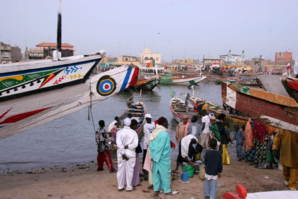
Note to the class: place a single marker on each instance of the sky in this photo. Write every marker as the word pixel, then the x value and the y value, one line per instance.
pixel 174 28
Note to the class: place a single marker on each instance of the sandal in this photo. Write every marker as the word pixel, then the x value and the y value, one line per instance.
pixel 172 193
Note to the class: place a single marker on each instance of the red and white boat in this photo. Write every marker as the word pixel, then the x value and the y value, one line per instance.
pixel 280 111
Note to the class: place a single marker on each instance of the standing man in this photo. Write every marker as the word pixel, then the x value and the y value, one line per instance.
pixel 104 142
pixel 114 124
pixel 205 129
pixel 181 131
pixel 127 142
pixel 224 139
pixel 194 127
pixel 160 150
pixel 148 128
pixel 286 143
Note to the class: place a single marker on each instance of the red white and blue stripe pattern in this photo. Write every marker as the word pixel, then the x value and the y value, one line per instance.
pixel 131 77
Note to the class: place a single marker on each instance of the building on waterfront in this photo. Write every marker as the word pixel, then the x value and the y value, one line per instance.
pixel 125 59
pixel 184 61
pixel 283 58
pixel 150 58
pixel 9 53
pixel 233 59
pixel 209 63
pixel 45 50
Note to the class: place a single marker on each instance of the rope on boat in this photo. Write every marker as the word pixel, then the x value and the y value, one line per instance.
pixel 90 113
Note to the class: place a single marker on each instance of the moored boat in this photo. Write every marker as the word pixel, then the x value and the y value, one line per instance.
pixel 33 93
pixel 138 111
pixel 181 80
pixel 24 78
pixel 30 103
pixel 280 111
pixel 180 110
pixel 291 85
pixel 188 80
pixel 146 84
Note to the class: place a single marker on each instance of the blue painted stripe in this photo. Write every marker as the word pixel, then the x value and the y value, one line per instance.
pixel 124 84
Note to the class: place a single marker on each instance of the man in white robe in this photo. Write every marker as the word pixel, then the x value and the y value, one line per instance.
pixel 127 141
pixel 149 126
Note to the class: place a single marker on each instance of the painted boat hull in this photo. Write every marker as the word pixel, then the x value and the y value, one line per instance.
pixel 22 112
pixel 187 81
pixel 291 85
pixel 179 113
pixel 25 78
pixel 147 84
pixel 261 104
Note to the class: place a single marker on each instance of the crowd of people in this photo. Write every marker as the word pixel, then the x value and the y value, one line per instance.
pixel 144 150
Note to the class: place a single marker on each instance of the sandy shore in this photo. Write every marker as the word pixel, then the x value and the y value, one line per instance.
pixel 83 181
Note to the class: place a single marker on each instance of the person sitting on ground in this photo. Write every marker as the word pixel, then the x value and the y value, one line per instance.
pixel 188 149
pixel 213 167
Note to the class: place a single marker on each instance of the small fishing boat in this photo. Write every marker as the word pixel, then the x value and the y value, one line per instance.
pixel 138 111
pixel 188 80
pixel 291 85
pixel 180 110
pixel 181 80
pixel 146 84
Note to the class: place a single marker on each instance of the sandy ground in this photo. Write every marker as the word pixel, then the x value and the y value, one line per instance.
pixel 83 181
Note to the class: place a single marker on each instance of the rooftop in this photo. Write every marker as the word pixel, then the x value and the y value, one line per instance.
pixel 53 45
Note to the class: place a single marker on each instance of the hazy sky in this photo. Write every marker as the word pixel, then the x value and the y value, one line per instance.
pixel 173 28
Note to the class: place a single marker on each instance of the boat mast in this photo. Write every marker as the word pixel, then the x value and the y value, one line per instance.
pixel 59 28
pixel 57 52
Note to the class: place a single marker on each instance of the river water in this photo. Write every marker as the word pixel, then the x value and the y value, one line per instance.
pixel 70 139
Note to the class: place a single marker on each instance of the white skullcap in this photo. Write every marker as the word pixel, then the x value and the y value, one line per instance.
pixel 127 122
pixel 212 116
pixel 148 116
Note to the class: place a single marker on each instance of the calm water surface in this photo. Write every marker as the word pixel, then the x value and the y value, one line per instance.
pixel 71 139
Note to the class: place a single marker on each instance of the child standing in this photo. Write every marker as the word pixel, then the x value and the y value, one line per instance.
pixel 213 167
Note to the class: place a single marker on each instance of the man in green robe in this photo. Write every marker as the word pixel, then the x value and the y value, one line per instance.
pixel 160 149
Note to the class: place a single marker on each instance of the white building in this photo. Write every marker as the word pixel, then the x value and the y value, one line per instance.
pixel 232 59
pixel 148 56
